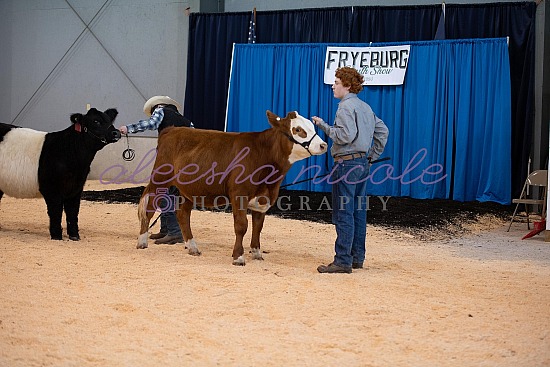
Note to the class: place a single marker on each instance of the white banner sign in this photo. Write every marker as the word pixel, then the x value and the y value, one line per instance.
pixel 379 65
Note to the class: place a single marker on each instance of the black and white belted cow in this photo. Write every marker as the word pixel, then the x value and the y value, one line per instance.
pixel 54 165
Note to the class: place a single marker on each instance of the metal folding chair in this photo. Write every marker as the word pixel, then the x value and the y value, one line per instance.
pixel 531 196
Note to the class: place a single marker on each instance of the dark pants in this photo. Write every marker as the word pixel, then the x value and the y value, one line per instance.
pixel 349 211
pixel 168 221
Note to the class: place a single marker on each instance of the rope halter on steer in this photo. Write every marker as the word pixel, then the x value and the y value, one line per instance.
pixel 304 144
pixel 79 128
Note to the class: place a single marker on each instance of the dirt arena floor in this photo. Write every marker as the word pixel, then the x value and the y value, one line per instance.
pixel 432 296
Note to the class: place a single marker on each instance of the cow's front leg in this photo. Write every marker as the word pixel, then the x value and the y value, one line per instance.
pixel 240 224
pixel 55 212
pixel 257 225
pixel 72 207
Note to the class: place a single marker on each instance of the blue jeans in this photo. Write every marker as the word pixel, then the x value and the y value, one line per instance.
pixel 168 221
pixel 349 211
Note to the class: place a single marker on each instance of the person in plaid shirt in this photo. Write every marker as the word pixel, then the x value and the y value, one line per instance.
pixel 163 111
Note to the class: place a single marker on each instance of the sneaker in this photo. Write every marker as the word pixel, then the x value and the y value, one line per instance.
pixel 169 240
pixel 156 236
pixel 333 268
pixel 357 266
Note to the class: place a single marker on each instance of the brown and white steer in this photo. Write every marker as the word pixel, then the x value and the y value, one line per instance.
pixel 213 168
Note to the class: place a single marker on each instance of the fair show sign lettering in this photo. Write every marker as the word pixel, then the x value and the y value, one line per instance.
pixel 385 65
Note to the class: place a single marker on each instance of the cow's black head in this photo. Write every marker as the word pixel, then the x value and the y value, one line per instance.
pixel 97 124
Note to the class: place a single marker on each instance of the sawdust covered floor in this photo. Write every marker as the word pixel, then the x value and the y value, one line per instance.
pixel 476 296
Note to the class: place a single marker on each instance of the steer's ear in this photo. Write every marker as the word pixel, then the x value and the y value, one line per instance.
pixel 112 113
pixel 273 119
pixel 76 117
pixel 292 115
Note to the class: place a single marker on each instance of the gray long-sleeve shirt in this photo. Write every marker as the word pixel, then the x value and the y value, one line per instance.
pixel 356 129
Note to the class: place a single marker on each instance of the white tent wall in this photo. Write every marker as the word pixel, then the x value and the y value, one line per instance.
pixel 52 65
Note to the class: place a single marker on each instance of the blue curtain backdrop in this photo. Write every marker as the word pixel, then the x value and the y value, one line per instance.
pixel 449 123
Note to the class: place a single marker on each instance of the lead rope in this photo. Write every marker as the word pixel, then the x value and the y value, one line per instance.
pixel 128 154
pixel 154 222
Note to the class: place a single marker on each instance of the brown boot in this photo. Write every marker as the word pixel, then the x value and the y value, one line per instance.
pixel 333 268
pixel 156 236
pixel 169 240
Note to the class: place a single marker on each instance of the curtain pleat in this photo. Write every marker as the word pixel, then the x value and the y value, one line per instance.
pixel 394 23
pixel 211 38
pixel 304 26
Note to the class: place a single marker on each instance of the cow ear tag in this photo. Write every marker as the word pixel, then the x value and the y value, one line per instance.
pixel 77 127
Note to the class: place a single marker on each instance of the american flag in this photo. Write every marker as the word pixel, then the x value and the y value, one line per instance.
pixel 252 28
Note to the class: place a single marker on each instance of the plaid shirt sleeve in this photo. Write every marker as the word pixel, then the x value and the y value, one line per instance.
pixel 151 124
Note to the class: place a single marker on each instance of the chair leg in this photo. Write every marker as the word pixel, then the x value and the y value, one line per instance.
pixel 527 213
pixel 513 216
pixel 544 205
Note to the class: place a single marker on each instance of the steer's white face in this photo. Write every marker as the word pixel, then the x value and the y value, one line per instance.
pixel 303 132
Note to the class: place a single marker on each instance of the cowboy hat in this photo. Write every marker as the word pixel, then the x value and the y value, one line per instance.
pixel 156 100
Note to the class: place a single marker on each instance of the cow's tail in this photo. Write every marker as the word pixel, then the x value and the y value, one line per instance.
pixel 145 212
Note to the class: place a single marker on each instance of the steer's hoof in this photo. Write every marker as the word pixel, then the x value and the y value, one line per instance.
pixel 239 261
pixel 57 238
pixel 194 251
pixel 192 248
pixel 141 246
pixel 74 238
pixel 256 254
